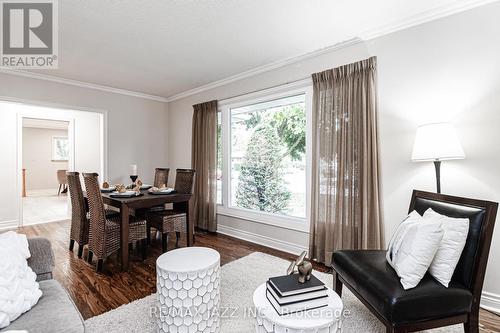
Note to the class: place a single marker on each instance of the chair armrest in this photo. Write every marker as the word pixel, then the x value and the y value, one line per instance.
pixel 42 257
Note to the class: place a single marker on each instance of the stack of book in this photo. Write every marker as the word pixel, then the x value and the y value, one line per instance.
pixel 287 295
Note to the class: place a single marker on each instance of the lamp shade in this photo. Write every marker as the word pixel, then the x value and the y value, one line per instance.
pixel 437 142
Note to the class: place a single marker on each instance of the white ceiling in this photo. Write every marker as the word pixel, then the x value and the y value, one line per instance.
pixel 45 123
pixel 164 47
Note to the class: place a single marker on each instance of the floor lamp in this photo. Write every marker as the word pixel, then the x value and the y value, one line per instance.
pixel 437 142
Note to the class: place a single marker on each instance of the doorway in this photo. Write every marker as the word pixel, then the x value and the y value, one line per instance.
pixel 46 152
pixel 82 148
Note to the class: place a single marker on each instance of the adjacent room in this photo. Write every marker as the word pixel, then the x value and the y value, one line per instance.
pixel 250 166
pixel 45 156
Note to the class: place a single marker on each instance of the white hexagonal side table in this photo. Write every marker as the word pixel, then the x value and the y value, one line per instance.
pixel 187 290
pixel 322 320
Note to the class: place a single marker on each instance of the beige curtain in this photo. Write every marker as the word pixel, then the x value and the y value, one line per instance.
pixel 204 162
pixel 346 204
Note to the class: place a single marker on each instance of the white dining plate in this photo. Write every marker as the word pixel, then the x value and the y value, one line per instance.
pixel 109 189
pixel 167 190
pixel 125 194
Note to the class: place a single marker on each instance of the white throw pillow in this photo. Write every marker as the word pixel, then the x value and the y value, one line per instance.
pixel 19 291
pixel 413 246
pixel 452 245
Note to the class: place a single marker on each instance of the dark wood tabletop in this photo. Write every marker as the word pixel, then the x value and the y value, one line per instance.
pixel 145 200
pixel 180 202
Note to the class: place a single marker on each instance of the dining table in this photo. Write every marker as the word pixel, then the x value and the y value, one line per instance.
pixel 146 200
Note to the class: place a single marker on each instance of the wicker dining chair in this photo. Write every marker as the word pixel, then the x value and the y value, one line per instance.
pixel 161 177
pixel 104 236
pixel 167 221
pixel 62 180
pixel 79 231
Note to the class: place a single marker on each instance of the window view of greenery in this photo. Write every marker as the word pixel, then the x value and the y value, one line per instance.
pixel 60 148
pixel 268 156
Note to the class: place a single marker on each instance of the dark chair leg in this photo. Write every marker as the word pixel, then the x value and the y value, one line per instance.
pixel 99 265
pixel 472 326
pixel 89 257
pixel 144 246
pixel 338 285
pixel 177 237
pixel 148 236
pixel 71 244
pixel 391 329
pixel 80 251
pixel 164 241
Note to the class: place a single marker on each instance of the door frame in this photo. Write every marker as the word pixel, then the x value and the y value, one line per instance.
pixel 71 137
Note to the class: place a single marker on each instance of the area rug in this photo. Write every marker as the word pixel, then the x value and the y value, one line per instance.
pixel 238 282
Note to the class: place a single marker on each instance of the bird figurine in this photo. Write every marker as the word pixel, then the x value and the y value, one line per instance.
pixel 304 268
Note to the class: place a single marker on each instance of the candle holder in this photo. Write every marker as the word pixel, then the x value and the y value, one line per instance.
pixel 133 178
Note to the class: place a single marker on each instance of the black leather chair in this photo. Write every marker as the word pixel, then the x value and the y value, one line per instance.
pixel 429 305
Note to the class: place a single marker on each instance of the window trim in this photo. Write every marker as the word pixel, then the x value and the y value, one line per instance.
pixel 284 221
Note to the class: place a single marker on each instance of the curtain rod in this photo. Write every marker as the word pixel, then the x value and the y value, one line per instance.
pixel 268 88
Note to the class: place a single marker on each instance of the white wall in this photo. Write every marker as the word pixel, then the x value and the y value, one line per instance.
pixel 136 132
pixel 446 70
pixel 85 133
pixel 41 170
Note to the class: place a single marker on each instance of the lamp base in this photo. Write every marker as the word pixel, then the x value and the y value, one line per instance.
pixel 437 166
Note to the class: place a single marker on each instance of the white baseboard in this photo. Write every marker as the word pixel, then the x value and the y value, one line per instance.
pixel 261 240
pixel 14 224
pixel 27 224
pixel 8 225
pixel 490 302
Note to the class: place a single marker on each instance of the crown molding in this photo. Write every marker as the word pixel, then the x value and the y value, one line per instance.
pixel 424 17
pixel 418 19
pixel 265 68
pixel 82 84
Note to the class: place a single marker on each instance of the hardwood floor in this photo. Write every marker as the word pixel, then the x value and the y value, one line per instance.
pixel 95 293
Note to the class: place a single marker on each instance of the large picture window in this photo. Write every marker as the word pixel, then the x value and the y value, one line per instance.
pixel 262 153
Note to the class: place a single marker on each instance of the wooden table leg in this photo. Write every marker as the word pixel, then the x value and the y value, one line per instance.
pixel 124 211
pixel 189 227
